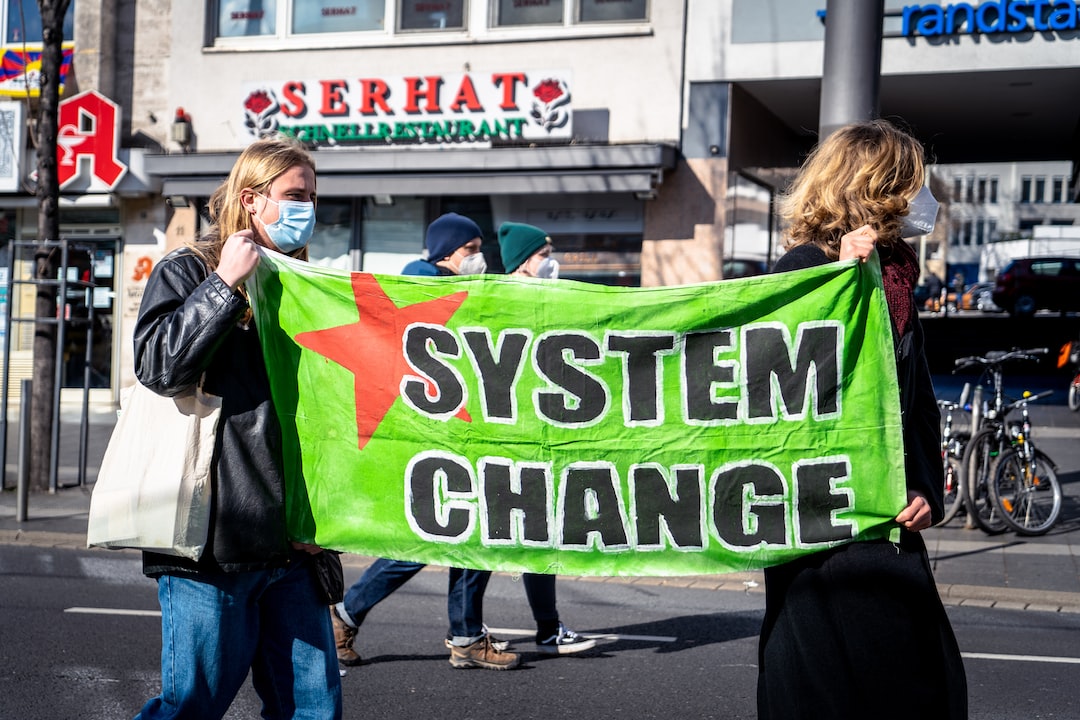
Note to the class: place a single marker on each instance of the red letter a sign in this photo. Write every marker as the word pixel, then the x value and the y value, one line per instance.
pixel 90 130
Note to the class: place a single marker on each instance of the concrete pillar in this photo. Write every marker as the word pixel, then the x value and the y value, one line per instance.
pixel 852 72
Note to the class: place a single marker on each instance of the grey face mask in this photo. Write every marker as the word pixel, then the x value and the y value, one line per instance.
pixel 474 264
pixel 922 211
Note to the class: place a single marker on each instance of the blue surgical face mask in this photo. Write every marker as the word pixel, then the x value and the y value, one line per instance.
pixel 922 212
pixel 294 226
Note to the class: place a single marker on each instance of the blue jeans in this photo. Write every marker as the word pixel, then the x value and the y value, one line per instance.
pixel 464 596
pixel 214 628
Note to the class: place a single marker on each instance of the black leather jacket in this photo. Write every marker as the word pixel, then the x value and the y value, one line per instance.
pixel 189 323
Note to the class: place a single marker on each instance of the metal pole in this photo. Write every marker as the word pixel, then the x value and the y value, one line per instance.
pixel 851 74
pixel 84 420
pixel 7 370
pixel 24 453
pixel 61 324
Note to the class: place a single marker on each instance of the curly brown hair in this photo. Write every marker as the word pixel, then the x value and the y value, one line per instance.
pixel 865 173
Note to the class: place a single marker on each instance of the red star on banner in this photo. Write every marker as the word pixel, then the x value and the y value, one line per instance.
pixel 370 348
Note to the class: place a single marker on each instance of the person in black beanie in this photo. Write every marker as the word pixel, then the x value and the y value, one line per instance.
pixel 453 245
pixel 453 248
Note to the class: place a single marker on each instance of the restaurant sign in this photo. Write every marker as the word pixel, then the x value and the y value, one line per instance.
pixel 457 108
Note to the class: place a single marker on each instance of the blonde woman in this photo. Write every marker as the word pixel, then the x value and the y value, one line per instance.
pixel 252 601
pixel 860 629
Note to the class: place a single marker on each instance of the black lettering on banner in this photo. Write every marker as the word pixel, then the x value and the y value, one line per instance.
pixel 591 508
pixel 643 379
pixel 667 508
pixel 440 497
pixel 440 391
pixel 498 369
pixel 517 503
pixel 818 500
pixel 703 373
pixel 583 399
pixel 771 366
pixel 748 505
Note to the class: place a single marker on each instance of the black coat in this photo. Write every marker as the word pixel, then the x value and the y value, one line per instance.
pixel 189 324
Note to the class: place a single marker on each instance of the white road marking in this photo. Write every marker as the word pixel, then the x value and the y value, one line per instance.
pixel 1022 658
pixel 590 636
pixel 113 611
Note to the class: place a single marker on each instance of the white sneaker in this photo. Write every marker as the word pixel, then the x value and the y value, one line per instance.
pixel 564 642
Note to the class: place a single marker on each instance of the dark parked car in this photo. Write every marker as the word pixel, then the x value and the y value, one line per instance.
pixel 1026 285
pixel 744 267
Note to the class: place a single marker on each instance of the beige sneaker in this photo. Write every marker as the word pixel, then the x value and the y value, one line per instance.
pixel 344 634
pixel 483 654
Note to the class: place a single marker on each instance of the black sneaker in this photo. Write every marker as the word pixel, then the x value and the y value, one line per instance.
pixel 564 642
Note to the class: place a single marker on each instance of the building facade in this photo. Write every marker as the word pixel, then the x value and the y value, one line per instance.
pixel 649 138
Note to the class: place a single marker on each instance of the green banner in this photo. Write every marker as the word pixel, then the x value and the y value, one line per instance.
pixel 564 427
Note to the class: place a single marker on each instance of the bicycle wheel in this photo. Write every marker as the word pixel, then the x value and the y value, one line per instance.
pixel 954 496
pixel 1074 394
pixel 1028 498
pixel 980 461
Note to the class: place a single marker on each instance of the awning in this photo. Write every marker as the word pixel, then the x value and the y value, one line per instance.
pixel 635 168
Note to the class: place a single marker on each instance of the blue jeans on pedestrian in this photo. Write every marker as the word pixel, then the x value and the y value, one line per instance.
pixel 464 597
pixel 217 627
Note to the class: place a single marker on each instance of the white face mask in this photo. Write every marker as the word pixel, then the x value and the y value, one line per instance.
pixel 548 269
pixel 922 212
pixel 474 264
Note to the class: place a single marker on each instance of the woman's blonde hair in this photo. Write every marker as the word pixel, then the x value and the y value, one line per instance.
pixel 258 166
pixel 862 174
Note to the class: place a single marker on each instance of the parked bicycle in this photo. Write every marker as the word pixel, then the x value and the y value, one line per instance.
pixel 1008 482
pixel 1070 355
pixel 952 453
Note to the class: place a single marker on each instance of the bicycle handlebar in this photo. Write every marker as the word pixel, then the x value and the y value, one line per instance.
pixel 998 357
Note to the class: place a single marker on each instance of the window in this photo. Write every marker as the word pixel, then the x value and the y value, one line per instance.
pixel 993 191
pixel 958 188
pixel 967 232
pixel 431 14
pixel 1057 190
pixel 980 228
pixel 1025 189
pixel 982 190
pixel 22 21
pixel 242 18
pixel 991 230
pixel 333 16
pixel 970 197
pixel 1040 190
pixel 529 12
pixel 611 10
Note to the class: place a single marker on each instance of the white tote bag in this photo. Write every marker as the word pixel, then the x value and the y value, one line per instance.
pixel 153 488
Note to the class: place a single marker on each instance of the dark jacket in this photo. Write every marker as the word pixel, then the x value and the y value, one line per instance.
pixel 425 268
pixel 189 325
pixel 920 414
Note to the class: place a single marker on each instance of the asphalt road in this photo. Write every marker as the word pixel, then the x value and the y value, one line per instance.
pixel 80 639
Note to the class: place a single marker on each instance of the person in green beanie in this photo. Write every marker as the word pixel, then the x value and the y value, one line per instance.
pixel 526 250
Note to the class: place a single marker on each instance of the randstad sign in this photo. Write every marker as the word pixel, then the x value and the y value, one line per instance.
pixel 994 16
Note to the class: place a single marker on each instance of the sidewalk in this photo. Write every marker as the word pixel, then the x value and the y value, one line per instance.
pixel 1003 571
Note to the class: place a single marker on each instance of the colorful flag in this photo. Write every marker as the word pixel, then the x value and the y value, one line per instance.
pixel 555 426
pixel 20 68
